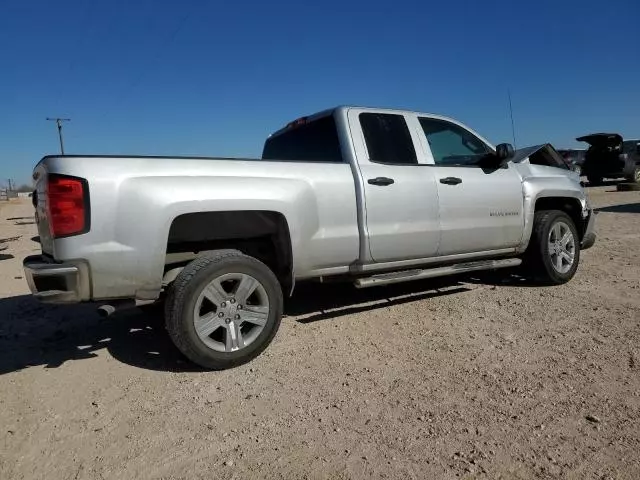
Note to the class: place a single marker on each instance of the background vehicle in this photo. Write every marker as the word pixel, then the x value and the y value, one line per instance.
pixel 609 156
pixel 369 196
pixel 574 158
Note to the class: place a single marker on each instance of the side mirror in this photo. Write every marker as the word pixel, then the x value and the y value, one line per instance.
pixel 504 151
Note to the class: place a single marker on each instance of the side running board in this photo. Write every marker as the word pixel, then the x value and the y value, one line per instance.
pixel 421 274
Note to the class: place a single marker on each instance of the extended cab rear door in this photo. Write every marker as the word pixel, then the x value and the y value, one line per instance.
pixel 401 199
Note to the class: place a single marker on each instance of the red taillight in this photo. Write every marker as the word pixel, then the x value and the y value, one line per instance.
pixel 67 201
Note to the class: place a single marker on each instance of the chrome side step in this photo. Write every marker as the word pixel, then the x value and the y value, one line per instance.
pixel 420 274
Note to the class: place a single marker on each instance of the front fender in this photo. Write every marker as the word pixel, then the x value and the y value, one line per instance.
pixel 536 188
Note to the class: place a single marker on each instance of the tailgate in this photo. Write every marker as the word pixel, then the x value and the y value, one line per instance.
pixel 40 204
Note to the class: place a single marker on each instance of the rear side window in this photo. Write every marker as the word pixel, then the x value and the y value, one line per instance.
pixel 316 141
pixel 388 139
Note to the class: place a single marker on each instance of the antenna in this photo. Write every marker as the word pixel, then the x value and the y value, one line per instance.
pixel 513 128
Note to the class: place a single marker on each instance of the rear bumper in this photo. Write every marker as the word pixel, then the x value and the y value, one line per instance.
pixel 56 282
pixel 589 237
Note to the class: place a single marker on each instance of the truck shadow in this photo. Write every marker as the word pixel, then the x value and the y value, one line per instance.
pixel 33 334
pixel 624 208
pixel 313 302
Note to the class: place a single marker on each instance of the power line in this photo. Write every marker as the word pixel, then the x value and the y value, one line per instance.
pixel 59 124
pixel 164 46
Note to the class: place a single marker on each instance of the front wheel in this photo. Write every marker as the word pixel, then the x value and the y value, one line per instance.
pixel 223 309
pixel 554 249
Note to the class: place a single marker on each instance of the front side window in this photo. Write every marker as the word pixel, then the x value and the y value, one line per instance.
pixel 388 139
pixel 452 145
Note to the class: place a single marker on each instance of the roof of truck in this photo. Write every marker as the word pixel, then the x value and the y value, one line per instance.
pixel 330 111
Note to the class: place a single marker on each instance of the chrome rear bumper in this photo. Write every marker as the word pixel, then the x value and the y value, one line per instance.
pixel 55 282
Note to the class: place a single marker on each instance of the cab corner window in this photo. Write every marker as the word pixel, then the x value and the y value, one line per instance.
pixel 388 139
pixel 452 145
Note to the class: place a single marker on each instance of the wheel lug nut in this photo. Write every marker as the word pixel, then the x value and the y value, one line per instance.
pixel 227 321
pixel 239 307
pixel 223 304
pixel 237 317
pixel 233 300
pixel 221 314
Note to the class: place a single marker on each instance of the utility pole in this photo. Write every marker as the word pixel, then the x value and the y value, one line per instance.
pixel 59 124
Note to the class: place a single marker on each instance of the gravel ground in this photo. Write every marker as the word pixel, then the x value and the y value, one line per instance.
pixel 472 377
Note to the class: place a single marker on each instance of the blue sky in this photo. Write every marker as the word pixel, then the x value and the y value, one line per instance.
pixel 214 78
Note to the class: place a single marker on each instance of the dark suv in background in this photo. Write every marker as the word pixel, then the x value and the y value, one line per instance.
pixel 573 158
pixel 609 156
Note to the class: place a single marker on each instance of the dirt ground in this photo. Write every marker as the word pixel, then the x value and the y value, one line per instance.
pixel 473 377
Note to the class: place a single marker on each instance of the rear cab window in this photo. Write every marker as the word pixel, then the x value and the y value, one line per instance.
pixel 311 141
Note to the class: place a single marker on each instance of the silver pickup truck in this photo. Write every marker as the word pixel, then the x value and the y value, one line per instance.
pixel 363 195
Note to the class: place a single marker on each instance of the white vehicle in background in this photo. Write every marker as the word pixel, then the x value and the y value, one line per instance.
pixel 363 195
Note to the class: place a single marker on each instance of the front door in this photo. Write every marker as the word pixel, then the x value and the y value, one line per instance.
pixel 480 209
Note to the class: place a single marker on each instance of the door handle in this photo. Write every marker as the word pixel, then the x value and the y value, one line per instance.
pixel 381 181
pixel 451 180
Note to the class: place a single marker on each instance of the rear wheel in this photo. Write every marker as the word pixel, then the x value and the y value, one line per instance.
pixel 554 249
pixel 628 187
pixel 223 310
pixel 635 177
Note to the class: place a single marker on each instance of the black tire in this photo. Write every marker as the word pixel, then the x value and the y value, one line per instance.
pixel 537 259
pixel 185 291
pixel 628 187
pixel 635 177
pixel 594 181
